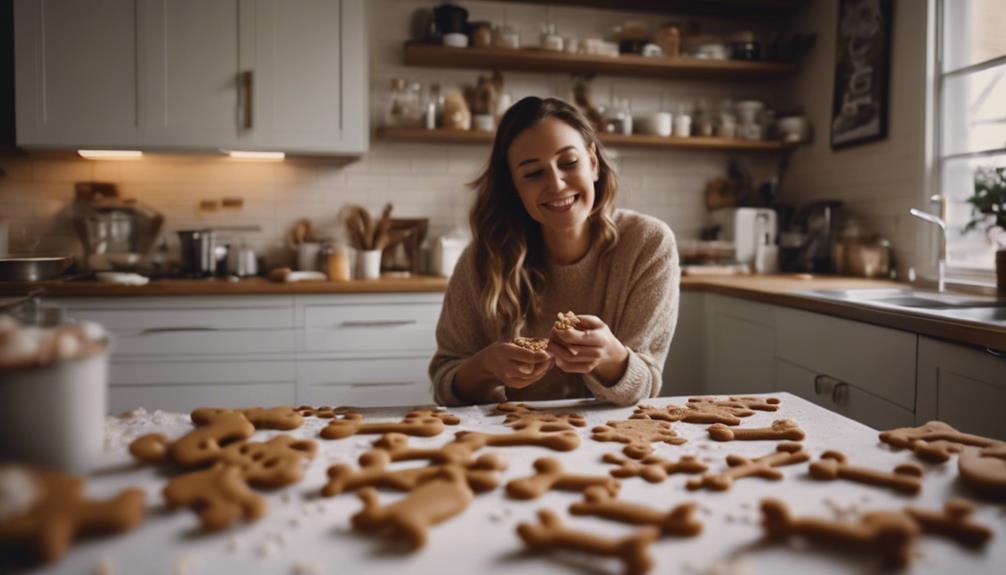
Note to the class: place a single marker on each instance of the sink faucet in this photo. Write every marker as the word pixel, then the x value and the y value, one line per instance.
pixel 941 263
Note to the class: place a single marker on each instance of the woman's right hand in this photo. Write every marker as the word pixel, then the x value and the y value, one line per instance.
pixel 515 366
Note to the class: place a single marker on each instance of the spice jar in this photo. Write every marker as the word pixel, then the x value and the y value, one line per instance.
pixel 335 257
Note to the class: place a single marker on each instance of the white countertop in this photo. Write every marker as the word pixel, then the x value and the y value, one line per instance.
pixel 304 533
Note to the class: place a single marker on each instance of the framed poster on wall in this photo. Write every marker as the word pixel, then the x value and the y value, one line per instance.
pixel 859 103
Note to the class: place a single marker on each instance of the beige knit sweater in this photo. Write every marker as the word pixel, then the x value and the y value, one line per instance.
pixel 633 289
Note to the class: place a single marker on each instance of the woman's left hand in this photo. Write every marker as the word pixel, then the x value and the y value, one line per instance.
pixel 589 348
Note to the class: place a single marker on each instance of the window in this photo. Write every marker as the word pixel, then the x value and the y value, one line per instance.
pixel 971 133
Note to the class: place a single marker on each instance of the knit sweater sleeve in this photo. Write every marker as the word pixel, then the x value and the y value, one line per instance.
pixel 649 315
pixel 460 332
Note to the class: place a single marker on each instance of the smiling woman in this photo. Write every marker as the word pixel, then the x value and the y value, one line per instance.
pixel 547 238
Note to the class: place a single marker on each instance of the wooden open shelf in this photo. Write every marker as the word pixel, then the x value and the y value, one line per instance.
pixel 534 60
pixel 756 10
pixel 444 136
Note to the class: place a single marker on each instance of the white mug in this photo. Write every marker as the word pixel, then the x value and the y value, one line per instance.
pixel 368 264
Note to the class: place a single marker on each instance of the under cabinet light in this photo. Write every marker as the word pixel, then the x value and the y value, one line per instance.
pixel 110 154
pixel 246 155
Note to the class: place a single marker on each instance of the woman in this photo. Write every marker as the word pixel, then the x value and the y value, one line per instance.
pixel 546 239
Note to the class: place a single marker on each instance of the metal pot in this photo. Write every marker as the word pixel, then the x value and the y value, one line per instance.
pixel 32 268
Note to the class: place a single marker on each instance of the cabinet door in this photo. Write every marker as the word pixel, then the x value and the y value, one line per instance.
pixel 963 386
pixel 77 73
pixel 740 346
pixel 192 96
pixel 684 370
pixel 308 60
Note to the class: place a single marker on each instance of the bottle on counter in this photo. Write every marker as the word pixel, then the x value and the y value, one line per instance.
pixel 335 261
pixel 766 256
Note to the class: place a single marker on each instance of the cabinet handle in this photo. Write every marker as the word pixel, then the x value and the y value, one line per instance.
pixel 996 352
pixel 840 394
pixel 153 330
pixel 247 80
pixel 824 384
pixel 385 323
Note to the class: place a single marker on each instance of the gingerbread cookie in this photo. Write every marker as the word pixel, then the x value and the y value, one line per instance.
pixel 740 467
pixel 281 418
pixel 565 321
pixel 420 422
pixel 781 430
pixel 275 463
pixel 554 434
pixel 60 512
pixel 518 413
pixel 934 441
pixel 952 521
pixel 703 413
pixel 984 470
pixel 441 496
pixel 550 475
pixel 531 343
pixel 215 428
pixel 550 534
pixel 907 477
pixel 740 405
pixel 637 434
pixel 599 502
pixel 652 468
pixel 889 535
pixel 324 412
pixel 220 495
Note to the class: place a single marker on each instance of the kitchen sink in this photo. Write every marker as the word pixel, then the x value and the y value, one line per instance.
pixel 985 310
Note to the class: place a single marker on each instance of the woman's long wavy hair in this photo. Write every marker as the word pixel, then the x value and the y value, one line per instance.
pixel 509 249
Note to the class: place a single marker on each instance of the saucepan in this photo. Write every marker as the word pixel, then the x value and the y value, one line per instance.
pixel 32 268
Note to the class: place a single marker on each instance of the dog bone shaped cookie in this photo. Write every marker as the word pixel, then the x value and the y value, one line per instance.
pixel 740 467
pixel 741 405
pixel 632 550
pixel 703 413
pixel 456 451
pixel 652 468
pixel 984 470
pixel 952 521
pixel 887 534
pixel 281 418
pixel 61 512
pixel 520 414
pixel 907 477
pixel 215 428
pixel 637 434
pixel 220 495
pixel 550 435
pixel 324 412
pixel 781 430
pixel 934 441
pixel 550 475
pixel 598 502
pixel 440 496
pixel 275 463
pixel 421 423
pixel 482 474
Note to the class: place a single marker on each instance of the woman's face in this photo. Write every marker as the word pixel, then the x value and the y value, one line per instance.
pixel 554 174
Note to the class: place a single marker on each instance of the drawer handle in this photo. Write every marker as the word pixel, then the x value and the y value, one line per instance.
pixel 840 394
pixel 386 323
pixel 153 330
pixel 996 352
pixel 824 384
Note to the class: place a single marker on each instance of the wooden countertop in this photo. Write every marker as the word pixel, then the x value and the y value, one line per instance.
pixel 776 290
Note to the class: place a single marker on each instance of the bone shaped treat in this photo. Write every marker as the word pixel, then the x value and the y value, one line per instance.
pixel 282 418
pixel 889 535
pixel 220 495
pixel 637 434
pixel 324 411
pixel 692 413
pixel 550 475
pixel 934 441
pixel 740 467
pixel 421 423
pixel 740 404
pixel 633 550
pixel 275 463
pixel 557 436
pixel 907 477
pixel 60 512
pixel 652 468
pixel 599 502
pixel 439 497
pixel 518 413
pixel 952 521
pixel 984 470
pixel 215 428
pixel 781 430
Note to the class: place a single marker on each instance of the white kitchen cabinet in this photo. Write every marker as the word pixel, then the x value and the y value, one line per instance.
pixel 286 75
pixel 77 73
pixel 841 397
pixel 367 382
pixel 740 343
pixel 684 370
pixel 963 386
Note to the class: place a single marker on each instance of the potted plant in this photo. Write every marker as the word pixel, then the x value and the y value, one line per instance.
pixel 988 209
